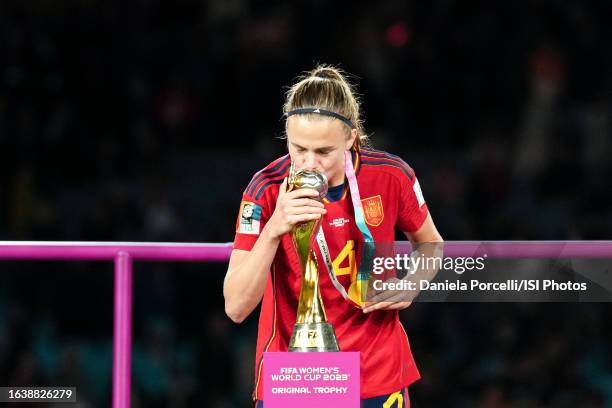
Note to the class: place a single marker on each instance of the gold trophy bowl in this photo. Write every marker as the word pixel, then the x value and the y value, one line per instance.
pixel 312 331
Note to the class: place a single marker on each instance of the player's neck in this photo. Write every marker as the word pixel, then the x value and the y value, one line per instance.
pixel 337 181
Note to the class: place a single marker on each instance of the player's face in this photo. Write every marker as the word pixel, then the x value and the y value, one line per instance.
pixel 319 144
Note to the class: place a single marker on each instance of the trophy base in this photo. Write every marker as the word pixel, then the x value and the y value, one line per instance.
pixel 313 337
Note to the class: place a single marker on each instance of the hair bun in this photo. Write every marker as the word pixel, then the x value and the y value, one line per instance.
pixel 327 72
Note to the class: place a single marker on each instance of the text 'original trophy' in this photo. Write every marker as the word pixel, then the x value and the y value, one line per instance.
pixel 311 332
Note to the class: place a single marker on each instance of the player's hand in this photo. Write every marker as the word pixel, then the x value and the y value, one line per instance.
pixel 386 305
pixel 294 207
pixel 389 299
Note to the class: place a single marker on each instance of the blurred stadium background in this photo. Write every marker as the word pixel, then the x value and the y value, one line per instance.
pixel 144 121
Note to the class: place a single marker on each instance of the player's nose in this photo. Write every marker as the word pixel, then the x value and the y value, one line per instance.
pixel 310 161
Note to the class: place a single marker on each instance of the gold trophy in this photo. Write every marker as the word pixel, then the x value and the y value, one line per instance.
pixel 311 332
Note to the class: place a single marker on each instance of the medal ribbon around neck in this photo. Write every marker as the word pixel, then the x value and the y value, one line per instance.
pixel 358 289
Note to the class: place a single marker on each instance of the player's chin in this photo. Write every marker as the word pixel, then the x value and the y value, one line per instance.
pixel 330 174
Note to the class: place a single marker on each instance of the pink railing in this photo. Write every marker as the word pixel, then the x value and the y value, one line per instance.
pixel 123 254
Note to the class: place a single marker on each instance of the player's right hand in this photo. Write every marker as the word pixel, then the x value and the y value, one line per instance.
pixel 294 207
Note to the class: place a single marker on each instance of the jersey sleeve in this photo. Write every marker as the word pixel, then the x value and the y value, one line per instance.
pixel 412 207
pixel 252 217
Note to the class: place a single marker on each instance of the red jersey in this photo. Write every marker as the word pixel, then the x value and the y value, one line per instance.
pixel 391 199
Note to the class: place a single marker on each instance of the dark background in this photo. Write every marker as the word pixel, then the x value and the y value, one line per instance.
pixel 144 121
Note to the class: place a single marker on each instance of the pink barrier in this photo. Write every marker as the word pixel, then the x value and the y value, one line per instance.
pixel 122 331
pixel 123 254
pixel 106 251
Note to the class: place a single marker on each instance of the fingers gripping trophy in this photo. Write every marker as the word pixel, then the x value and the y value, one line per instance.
pixel 312 331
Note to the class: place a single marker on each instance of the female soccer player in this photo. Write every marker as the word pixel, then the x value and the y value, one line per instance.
pixel 325 132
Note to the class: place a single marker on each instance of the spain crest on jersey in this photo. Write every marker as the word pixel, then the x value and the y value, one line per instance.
pixel 373 210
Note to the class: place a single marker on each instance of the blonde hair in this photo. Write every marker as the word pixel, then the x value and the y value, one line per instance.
pixel 326 87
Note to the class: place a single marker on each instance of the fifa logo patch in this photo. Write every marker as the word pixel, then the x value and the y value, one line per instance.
pixel 373 210
pixel 249 218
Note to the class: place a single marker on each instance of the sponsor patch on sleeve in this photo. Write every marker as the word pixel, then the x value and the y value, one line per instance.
pixel 249 218
pixel 419 194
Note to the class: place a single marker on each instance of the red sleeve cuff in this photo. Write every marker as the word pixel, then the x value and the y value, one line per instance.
pixel 245 242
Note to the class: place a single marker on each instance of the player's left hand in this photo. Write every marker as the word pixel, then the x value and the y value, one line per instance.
pixel 388 299
pixel 371 307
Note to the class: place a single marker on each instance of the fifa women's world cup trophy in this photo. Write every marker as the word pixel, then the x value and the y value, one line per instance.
pixel 312 331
